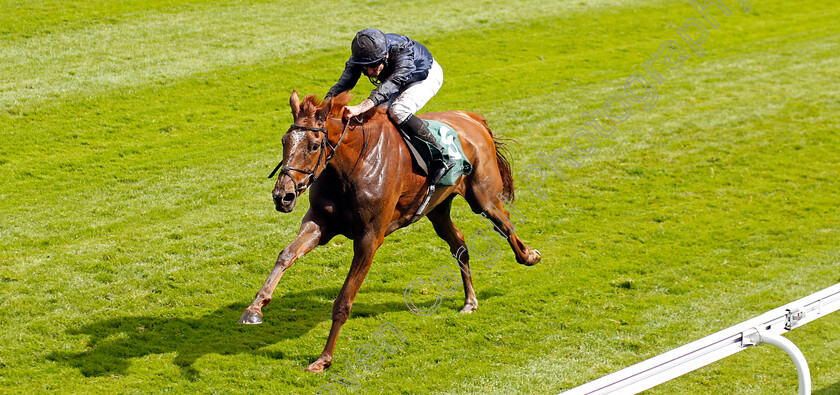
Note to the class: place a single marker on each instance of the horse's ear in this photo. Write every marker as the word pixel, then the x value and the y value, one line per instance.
pixel 324 110
pixel 294 101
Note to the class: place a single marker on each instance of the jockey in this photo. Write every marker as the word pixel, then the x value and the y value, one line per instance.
pixel 406 77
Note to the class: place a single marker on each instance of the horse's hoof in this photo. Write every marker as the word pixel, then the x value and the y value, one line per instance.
pixel 533 258
pixel 318 366
pixel 251 317
pixel 469 308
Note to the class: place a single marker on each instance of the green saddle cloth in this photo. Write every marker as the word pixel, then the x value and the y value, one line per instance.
pixel 448 139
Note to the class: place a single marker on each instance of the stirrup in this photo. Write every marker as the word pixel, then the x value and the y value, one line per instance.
pixel 449 164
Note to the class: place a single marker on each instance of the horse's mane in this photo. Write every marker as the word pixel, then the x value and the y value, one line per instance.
pixel 312 104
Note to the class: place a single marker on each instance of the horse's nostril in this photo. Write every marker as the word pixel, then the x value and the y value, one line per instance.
pixel 288 198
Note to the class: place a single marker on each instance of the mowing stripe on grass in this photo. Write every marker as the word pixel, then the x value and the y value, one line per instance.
pixel 157 46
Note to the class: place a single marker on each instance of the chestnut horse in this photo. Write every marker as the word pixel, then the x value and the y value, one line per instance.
pixel 365 187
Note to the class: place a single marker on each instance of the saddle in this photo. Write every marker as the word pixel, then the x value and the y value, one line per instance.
pixel 424 154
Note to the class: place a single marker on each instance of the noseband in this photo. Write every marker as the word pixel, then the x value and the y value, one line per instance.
pixel 311 176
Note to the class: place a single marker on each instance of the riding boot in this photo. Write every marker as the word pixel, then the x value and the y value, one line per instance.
pixel 418 127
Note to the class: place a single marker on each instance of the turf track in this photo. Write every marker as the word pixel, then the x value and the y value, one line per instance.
pixel 135 219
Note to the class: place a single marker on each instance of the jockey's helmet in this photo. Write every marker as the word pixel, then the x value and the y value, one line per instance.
pixel 369 47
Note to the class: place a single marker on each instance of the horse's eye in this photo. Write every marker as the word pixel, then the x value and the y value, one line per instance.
pixel 313 147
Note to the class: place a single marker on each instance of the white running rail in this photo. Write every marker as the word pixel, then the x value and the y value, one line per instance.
pixel 766 328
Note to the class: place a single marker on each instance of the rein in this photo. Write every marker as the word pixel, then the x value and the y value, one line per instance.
pixel 311 174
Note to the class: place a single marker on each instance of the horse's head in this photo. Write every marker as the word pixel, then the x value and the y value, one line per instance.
pixel 306 147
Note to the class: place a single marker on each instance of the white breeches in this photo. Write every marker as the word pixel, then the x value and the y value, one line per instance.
pixel 413 97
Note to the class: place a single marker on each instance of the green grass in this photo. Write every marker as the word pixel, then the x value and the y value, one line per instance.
pixel 136 221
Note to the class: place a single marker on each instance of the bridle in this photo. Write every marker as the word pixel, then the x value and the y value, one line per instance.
pixel 311 175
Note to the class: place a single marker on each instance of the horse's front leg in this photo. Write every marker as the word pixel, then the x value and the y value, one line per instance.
pixel 312 232
pixel 363 250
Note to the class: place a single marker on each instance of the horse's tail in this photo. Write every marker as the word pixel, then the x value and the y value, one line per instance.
pixel 501 158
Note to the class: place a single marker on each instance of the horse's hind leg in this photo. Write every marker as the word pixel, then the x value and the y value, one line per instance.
pixel 491 207
pixel 442 222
